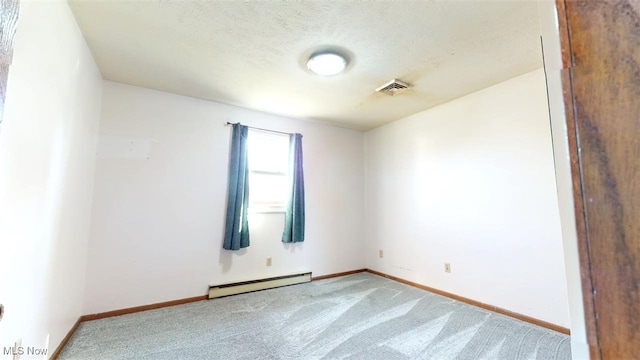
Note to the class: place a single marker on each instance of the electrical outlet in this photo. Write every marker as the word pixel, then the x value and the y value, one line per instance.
pixel 447 267
pixel 380 253
pixel 268 261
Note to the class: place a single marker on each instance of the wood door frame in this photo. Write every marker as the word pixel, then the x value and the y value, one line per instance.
pixel 601 88
pixel 572 140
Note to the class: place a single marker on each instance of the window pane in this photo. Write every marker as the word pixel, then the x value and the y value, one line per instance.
pixel 267 189
pixel 268 165
pixel 268 152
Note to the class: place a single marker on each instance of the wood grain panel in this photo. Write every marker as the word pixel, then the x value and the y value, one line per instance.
pixel 604 39
pixel 581 231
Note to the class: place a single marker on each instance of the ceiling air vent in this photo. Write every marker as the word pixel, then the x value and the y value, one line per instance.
pixel 393 87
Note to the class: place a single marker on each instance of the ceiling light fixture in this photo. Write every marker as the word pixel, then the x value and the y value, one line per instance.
pixel 327 63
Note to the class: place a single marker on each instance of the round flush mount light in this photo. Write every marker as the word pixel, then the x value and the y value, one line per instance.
pixel 327 63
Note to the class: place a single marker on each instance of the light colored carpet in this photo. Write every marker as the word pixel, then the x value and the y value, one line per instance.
pixel 360 316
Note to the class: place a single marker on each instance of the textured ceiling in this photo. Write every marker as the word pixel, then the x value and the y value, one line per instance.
pixel 252 54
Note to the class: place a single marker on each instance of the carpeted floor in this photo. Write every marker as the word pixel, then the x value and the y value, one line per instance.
pixel 360 316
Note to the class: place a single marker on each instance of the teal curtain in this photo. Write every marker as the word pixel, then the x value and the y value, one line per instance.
pixel 236 234
pixel 294 218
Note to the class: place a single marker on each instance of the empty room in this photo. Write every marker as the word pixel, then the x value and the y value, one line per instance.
pixel 269 180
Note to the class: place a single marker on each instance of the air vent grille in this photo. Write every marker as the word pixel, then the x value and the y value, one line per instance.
pixel 393 87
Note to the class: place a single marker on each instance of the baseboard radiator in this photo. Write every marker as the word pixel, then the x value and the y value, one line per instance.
pixel 216 291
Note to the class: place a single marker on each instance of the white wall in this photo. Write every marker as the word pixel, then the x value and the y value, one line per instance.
pixel 47 159
pixel 160 195
pixel 471 182
pixel 553 65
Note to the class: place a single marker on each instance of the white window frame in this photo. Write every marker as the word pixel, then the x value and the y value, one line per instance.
pixel 279 207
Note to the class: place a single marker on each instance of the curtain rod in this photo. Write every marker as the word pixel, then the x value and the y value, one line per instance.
pixel 262 129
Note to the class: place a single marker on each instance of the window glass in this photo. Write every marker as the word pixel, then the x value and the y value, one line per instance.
pixel 268 164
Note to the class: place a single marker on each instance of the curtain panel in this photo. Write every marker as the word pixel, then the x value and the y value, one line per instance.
pixel 236 234
pixel 294 217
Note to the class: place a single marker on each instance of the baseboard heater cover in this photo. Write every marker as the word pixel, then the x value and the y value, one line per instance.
pixel 216 291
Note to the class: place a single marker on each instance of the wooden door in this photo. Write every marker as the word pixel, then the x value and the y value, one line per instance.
pixel 602 95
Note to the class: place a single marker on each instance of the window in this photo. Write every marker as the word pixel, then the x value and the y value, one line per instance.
pixel 268 166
